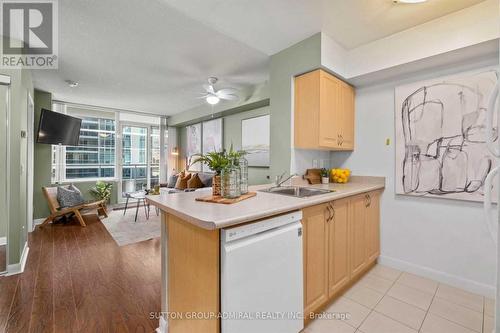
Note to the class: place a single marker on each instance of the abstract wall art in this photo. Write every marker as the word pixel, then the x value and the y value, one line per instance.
pixel 441 137
pixel 255 140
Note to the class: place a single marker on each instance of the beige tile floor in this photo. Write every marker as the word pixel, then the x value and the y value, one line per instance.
pixel 387 300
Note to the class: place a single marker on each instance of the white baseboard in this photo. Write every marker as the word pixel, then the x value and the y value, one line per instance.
pixel 3 240
pixel 37 222
pixel 19 267
pixel 162 326
pixel 452 280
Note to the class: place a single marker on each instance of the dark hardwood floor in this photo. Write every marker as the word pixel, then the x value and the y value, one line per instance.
pixel 79 280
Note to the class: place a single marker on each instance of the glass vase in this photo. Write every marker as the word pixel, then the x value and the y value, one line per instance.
pixel 231 183
pixel 243 164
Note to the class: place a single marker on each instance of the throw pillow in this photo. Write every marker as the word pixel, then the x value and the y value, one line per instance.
pixel 67 197
pixel 195 182
pixel 172 181
pixel 206 179
pixel 181 183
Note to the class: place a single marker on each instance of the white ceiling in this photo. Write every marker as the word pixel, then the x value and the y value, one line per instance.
pixel 154 55
pixel 273 25
pixel 143 56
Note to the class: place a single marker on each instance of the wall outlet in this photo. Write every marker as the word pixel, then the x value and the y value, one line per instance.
pixel 315 164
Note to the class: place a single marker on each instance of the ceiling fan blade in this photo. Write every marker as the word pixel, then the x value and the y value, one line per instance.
pixel 209 88
pixel 228 97
pixel 228 91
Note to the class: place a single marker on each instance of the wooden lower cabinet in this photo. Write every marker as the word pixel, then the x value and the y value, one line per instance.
pixel 338 247
pixel 341 240
pixel 372 220
pixel 358 253
pixel 315 238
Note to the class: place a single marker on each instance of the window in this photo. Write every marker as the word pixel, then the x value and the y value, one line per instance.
pixel 203 137
pixel 154 162
pixel 93 158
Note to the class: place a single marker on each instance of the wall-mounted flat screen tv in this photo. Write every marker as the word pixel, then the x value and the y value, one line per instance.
pixel 57 128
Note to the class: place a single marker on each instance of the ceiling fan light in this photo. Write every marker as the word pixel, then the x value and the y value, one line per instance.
pixel 212 100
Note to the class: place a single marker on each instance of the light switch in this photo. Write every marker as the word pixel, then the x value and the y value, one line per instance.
pixel 388 142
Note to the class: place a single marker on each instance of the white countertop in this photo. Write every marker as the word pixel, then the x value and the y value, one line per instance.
pixel 216 216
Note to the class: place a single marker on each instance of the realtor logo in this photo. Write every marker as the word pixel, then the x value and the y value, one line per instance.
pixel 29 34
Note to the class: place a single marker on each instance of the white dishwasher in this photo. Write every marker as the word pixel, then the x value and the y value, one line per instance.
pixel 262 276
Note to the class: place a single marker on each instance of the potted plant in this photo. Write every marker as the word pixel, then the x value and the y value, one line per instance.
pixel 218 161
pixel 102 191
pixel 325 179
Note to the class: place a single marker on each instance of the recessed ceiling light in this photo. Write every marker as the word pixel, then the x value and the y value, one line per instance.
pixel 409 1
pixel 213 99
pixel 71 84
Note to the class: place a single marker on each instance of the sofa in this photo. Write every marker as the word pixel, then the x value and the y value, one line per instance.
pixel 205 177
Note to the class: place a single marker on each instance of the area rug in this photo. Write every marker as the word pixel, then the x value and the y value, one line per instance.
pixel 125 231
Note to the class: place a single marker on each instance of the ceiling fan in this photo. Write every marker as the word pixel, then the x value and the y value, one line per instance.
pixel 213 96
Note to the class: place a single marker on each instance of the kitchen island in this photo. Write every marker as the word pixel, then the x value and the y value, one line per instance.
pixel 191 254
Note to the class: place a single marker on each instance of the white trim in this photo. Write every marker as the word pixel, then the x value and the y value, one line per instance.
pixel 452 280
pixel 37 222
pixel 30 151
pixel 3 240
pixel 19 268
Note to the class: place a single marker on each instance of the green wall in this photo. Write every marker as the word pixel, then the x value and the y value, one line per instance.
pixel 232 135
pixel 42 165
pixel 21 86
pixel 42 159
pixel 285 65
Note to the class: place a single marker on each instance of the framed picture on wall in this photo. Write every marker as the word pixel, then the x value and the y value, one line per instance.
pixel 193 146
pixel 212 137
pixel 255 140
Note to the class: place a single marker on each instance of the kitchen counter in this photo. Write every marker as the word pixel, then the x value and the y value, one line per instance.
pixel 211 216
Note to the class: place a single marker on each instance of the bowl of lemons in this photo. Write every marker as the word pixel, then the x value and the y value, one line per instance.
pixel 340 176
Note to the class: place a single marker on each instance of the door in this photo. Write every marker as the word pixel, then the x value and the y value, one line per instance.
pixel 315 257
pixel 134 161
pixel 338 247
pixel 4 170
pixel 357 234
pixel 373 226
pixel 330 115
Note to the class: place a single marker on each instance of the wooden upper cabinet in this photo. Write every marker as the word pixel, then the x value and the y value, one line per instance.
pixel 324 112
pixel 338 246
pixel 373 226
pixel 315 238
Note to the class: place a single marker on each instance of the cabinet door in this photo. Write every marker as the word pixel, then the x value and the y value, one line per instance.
pixel 330 119
pixel 306 115
pixel 338 247
pixel 358 258
pixel 373 226
pixel 347 114
pixel 315 236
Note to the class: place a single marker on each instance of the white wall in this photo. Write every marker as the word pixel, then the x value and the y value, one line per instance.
pixel 442 239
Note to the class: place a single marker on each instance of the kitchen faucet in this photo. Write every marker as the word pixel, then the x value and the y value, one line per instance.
pixel 280 181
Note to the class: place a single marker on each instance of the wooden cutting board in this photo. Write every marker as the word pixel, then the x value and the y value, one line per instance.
pixel 225 201
pixel 313 176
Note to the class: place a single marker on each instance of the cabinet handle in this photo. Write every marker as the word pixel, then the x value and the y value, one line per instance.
pixel 368 200
pixel 329 214
pixel 333 212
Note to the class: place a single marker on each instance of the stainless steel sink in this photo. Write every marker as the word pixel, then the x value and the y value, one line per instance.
pixel 296 191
